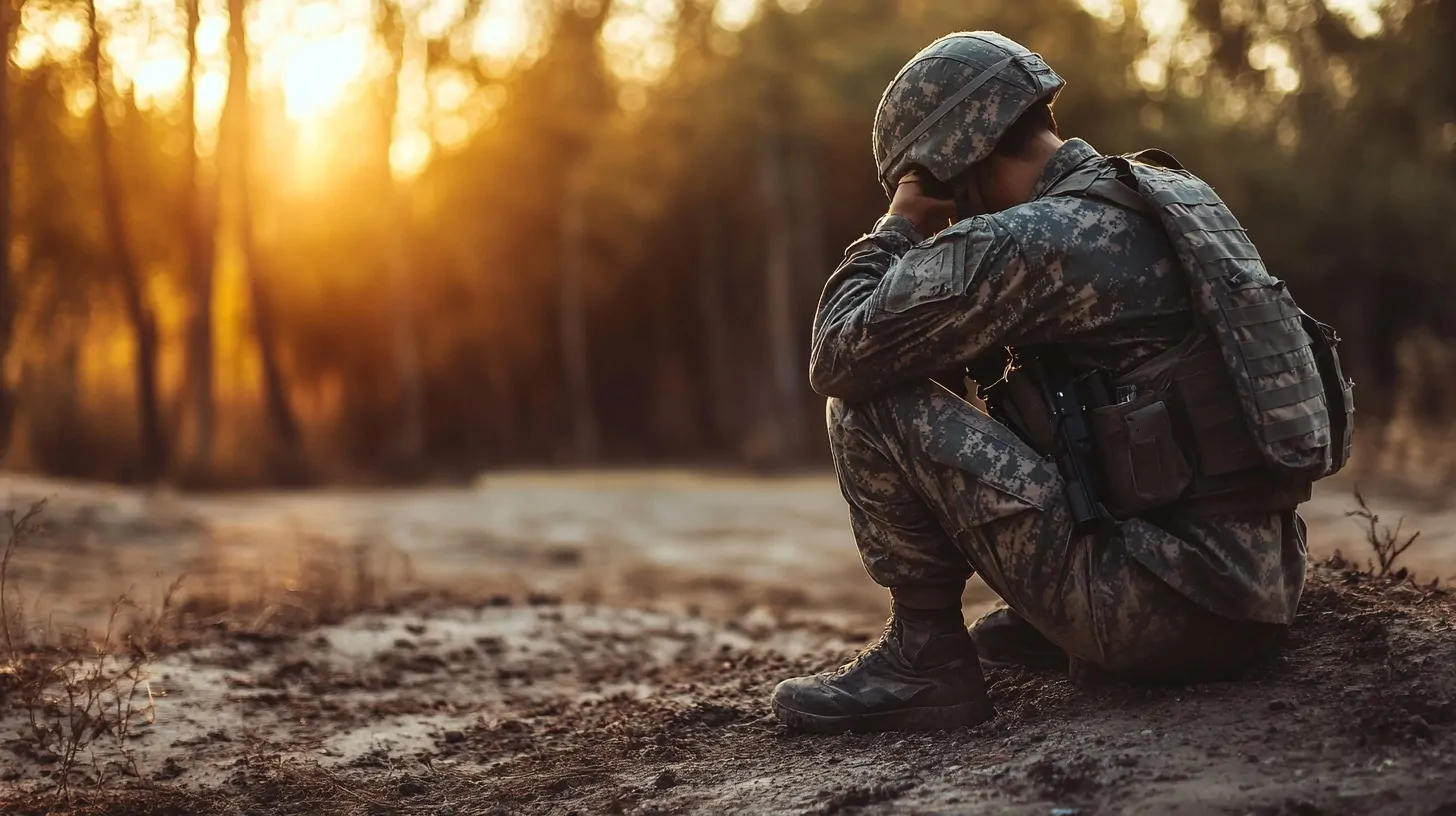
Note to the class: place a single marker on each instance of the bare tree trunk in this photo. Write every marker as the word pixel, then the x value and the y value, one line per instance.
pixel 138 310
pixel 237 117
pixel 786 368
pixel 409 445
pixel 808 208
pixel 8 25
pixel 576 358
pixel 201 221
pixel 714 323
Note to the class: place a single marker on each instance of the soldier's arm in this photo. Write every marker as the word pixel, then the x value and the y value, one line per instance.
pixel 894 313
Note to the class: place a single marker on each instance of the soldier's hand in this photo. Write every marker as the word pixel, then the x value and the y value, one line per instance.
pixel 928 213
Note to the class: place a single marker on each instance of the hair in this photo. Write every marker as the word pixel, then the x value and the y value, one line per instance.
pixel 1018 137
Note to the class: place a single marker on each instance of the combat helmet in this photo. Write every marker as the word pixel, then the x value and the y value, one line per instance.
pixel 948 106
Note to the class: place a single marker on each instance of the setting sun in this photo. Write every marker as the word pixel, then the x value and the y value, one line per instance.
pixel 318 73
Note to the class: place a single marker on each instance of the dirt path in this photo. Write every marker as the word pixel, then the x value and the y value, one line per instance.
pixel 575 709
pixel 620 660
pixel 725 544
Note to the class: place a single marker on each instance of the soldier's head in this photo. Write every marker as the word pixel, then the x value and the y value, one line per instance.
pixel 971 110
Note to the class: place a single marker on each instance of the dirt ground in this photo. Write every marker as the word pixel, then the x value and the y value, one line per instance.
pixel 605 643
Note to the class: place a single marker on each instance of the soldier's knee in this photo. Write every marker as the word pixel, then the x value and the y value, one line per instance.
pixel 856 426
pixel 888 413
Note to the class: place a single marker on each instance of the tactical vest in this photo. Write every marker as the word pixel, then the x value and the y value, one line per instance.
pixel 1252 407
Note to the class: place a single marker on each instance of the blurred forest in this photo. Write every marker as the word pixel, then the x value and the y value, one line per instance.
pixel 264 241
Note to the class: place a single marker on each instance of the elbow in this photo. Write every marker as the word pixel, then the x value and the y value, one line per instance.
pixel 823 382
pixel 831 377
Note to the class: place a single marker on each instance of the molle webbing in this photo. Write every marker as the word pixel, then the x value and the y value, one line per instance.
pixel 1255 321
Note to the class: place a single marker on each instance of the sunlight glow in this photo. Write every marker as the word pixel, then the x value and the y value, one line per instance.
pixel 456 104
pixel 436 18
pixel 502 33
pixel 409 153
pixel 29 51
pixel 318 73
pixel 1163 18
pixel 637 41
pixel 1151 72
pixel 410 147
pixel 1274 59
pixel 317 52
pixel 48 33
pixel 1363 15
pixel 1108 11
pixel 735 15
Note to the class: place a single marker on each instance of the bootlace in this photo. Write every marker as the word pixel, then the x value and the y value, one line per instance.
pixel 865 652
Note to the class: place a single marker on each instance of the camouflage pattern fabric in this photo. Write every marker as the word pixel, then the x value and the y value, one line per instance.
pixel 939 490
pixel 969 130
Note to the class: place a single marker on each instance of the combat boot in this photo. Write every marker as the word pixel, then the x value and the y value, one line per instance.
pixel 1005 639
pixel 921 675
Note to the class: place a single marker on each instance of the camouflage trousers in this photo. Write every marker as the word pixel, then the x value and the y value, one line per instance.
pixel 938 491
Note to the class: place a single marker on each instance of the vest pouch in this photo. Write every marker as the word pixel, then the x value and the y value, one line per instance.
pixel 1142 466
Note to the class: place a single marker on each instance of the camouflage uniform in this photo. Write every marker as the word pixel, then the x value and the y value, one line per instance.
pixel 938 490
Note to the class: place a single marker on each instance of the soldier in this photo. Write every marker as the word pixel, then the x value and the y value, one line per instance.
pixel 1121 280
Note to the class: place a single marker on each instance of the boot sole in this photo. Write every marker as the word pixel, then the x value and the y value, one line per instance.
pixel 929 718
pixel 1049 664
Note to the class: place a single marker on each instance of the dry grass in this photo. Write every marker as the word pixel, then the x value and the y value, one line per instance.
pixel 312 581
pixel 1387 544
pixel 76 691
pixel 82 693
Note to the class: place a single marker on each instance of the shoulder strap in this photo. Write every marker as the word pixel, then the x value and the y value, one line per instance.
pixel 1111 182
pixel 1153 155
pixel 1116 191
pixel 1076 182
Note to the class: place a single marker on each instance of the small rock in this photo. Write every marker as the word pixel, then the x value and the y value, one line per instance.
pixel 1280 705
pixel 453 737
pixel 1419 728
pixel 415 628
pixel 665 780
pixel 410 787
pixel 171 769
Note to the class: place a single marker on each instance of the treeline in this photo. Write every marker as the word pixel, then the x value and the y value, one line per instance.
pixel 606 270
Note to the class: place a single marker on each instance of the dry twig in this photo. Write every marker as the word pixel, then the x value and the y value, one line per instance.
pixel 1385 542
